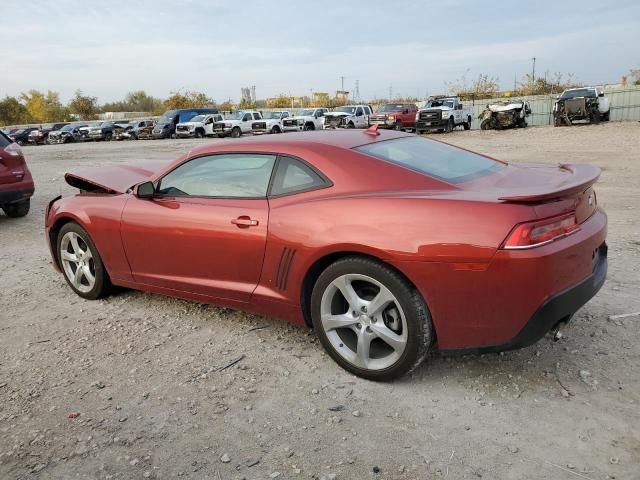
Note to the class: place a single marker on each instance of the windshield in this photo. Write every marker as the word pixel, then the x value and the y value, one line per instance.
pixel 307 113
pixel 168 116
pixel 198 118
pixel 18 132
pixel 442 102
pixel 436 159
pixel 580 92
pixel 236 116
pixel 272 115
pixel 67 128
pixel 393 107
pixel 350 110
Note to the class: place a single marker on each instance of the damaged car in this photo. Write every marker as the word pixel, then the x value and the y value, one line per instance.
pixel 236 124
pixel 309 119
pixel 67 134
pixel 349 116
pixel 503 115
pixel 576 104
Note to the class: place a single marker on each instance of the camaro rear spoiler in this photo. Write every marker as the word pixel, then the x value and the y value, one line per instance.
pixel 115 179
pixel 578 179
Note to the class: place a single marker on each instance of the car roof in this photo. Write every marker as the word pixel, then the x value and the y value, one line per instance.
pixel 347 139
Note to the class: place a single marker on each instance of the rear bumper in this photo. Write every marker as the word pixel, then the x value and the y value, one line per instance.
pixel 559 308
pixel 20 192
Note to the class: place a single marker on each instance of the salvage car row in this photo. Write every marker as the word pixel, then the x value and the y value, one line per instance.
pixel 442 113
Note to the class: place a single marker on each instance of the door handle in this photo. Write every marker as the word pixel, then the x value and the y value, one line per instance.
pixel 244 222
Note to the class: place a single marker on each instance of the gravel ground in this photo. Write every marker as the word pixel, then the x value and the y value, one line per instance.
pixel 133 386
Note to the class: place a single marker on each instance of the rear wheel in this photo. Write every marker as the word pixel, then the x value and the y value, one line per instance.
pixel 370 319
pixel 17 209
pixel 236 132
pixel 81 263
pixel 467 124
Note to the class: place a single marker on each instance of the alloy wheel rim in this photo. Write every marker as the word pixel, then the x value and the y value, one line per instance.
pixel 364 322
pixel 77 262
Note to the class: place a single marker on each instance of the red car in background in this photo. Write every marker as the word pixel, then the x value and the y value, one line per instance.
pixel 16 184
pixel 398 116
pixel 385 242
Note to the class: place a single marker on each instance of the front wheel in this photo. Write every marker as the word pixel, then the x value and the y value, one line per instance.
pixel 80 262
pixel 236 132
pixel 450 126
pixel 398 126
pixel 17 209
pixel 199 134
pixel 467 124
pixel 370 319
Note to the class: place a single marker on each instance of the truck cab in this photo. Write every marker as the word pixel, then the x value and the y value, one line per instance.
pixel 398 116
pixel 236 124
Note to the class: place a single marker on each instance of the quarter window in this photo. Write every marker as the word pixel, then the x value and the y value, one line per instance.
pixel 256 116
pixel 240 175
pixel 294 176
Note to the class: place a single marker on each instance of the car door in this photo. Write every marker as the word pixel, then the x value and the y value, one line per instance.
pixel 246 122
pixel 208 125
pixel 204 230
pixel 359 117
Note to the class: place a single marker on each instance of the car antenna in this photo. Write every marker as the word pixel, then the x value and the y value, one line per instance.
pixel 372 130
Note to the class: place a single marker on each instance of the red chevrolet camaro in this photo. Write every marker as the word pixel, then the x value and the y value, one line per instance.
pixel 386 243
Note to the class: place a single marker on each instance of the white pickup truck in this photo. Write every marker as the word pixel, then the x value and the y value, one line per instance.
pixel 236 124
pixel 349 116
pixel 310 119
pixel 442 113
pixel 199 126
pixel 271 122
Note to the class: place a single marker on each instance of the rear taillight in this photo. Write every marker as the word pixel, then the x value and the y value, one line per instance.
pixel 541 232
pixel 14 150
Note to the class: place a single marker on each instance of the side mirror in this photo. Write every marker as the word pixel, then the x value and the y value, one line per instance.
pixel 146 190
pixel 601 94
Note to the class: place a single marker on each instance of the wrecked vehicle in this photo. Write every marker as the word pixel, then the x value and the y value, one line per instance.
pixel 166 125
pixel 84 131
pixel 199 126
pixel 271 122
pixel 588 103
pixel 397 116
pixel 507 114
pixel 67 134
pixel 442 113
pixel 309 119
pixel 349 116
pixel 40 136
pixel 129 130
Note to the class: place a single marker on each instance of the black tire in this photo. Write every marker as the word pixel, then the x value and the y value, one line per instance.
pixel 605 116
pixel 308 126
pixel 108 137
pixel 220 135
pixel 467 124
pixel 276 129
pixel 420 332
pixel 350 125
pixel 102 284
pixel 486 124
pixel 419 132
pixel 199 133
pixel 236 132
pixel 450 125
pixel 595 117
pixel 17 209
pixel 398 126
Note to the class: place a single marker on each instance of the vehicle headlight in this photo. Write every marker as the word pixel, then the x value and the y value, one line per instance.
pixel 98 130
pixel 300 121
pixel 227 124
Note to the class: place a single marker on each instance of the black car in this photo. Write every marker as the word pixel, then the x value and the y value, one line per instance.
pixel 21 137
pixel 104 131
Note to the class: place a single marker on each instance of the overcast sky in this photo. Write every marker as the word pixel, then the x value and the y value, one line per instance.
pixel 108 48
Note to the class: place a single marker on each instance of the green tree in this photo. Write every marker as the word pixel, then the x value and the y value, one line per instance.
pixel 483 86
pixel 12 112
pixel 83 106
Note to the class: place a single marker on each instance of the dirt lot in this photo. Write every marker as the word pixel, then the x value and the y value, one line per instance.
pixel 143 371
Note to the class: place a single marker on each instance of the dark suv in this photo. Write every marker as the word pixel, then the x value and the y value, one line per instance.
pixel 16 183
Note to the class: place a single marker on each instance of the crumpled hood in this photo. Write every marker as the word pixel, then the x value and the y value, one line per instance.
pixel 114 179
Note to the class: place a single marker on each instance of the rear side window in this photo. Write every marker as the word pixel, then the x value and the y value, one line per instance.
pixel 4 140
pixel 438 160
pixel 294 176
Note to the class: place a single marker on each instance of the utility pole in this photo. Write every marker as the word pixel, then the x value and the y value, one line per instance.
pixel 390 92
pixel 533 70
pixel 342 83
pixel 356 93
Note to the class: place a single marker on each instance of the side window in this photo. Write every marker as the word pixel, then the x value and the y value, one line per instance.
pixel 285 115
pixel 295 176
pixel 246 117
pixel 367 111
pixel 256 116
pixel 320 113
pixel 240 175
pixel 359 112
